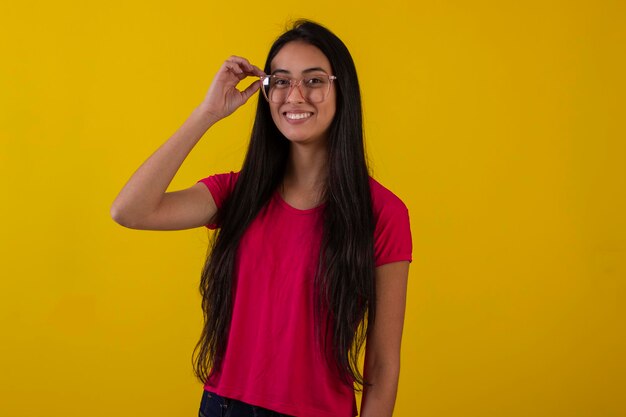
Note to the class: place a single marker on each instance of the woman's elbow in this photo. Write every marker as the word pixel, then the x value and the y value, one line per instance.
pixel 121 217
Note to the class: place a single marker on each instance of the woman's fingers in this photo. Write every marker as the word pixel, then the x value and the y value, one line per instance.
pixel 245 66
pixel 252 88
pixel 223 97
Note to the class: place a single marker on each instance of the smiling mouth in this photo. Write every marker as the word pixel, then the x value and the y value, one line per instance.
pixel 297 116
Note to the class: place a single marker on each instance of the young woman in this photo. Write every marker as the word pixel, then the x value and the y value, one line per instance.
pixel 312 255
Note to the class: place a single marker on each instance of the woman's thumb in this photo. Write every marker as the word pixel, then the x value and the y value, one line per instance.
pixel 252 88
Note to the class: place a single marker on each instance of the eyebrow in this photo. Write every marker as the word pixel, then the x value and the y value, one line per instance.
pixel 284 71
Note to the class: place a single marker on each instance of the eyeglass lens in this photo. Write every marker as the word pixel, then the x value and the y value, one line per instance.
pixel 314 88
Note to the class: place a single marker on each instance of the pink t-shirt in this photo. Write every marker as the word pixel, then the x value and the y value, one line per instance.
pixel 272 359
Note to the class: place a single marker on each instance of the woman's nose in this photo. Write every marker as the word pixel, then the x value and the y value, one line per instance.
pixel 295 97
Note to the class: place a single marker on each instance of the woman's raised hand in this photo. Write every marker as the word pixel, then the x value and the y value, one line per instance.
pixel 223 97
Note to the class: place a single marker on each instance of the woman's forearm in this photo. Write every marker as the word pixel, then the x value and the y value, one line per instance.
pixel 143 192
pixel 379 398
pixel 382 349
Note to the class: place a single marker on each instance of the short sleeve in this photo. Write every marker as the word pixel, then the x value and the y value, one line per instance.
pixel 392 233
pixel 220 186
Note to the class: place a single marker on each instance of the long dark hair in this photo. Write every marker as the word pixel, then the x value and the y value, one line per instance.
pixel 345 291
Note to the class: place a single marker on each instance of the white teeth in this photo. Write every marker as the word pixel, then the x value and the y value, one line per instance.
pixel 297 116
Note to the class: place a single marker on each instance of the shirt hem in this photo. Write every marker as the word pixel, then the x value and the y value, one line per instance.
pixel 389 260
pixel 276 406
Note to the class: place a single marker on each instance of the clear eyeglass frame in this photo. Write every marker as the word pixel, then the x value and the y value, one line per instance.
pixel 307 93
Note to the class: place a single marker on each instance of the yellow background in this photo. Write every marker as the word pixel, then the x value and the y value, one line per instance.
pixel 500 124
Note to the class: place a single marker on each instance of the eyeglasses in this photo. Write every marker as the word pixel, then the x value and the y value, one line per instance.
pixel 313 88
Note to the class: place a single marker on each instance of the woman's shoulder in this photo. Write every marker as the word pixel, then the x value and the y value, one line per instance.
pixel 224 176
pixel 220 185
pixel 384 199
pixel 225 179
pixel 392 230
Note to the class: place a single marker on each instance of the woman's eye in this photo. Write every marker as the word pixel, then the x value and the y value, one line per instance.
pixel 314 82
pixel 281 82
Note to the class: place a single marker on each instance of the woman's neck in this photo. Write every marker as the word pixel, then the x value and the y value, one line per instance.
pixel 305 176
pixel 306 167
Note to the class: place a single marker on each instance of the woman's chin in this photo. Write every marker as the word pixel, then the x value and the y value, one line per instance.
pixel 298 138
pixel 303 138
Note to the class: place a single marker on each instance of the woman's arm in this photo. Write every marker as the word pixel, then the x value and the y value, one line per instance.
pixel 143 202
pixel 382 354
